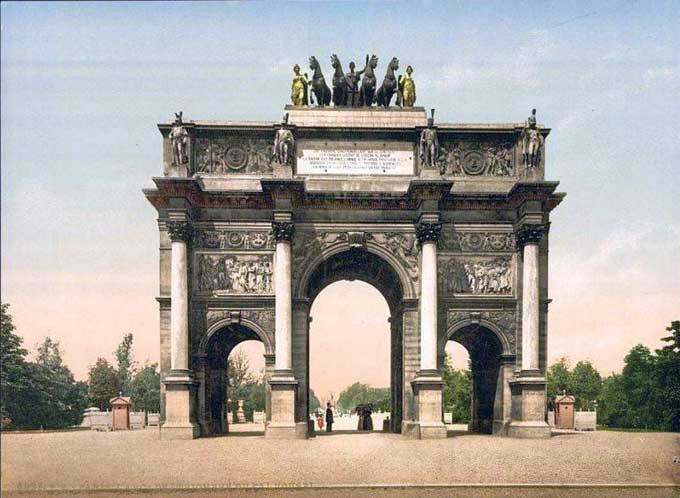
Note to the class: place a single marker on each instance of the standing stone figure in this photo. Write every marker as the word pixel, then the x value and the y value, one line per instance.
pixel 179 138
pixel 407 89
pixel 352 82
pixel 284 143
pixel 298 90
pixel 532 142
pixel 428 147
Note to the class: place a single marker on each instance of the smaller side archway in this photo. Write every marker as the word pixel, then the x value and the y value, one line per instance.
pixel 491 364
pixel 215 350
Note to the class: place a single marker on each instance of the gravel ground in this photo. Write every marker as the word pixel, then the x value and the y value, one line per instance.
pixel 139 459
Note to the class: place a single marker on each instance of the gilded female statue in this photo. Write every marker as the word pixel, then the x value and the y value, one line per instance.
pixel 298 90
pixel 407 89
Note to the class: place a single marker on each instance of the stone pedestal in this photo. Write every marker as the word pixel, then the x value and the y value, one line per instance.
pixel 528 407
pixel 427 390
pixel 179 394
pixel 282 424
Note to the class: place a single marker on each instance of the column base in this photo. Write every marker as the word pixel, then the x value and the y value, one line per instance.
pixel 179 422
pixel 414 429
pixel 528 406
pixel 188 431
pixel 283 392
pixel 528 430
pixel 427 390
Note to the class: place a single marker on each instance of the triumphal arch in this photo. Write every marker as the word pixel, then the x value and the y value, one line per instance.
pixel 448 221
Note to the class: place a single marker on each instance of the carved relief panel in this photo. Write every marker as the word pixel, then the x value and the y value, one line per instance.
pixel 234 274
pixel 477 158
pixel 477 275
pixel 225 155
pixel 235 239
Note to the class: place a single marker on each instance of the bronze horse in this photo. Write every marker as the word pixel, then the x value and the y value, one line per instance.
pixel 339 82
pixel 389 85
pixel 367 92
pixel 319 86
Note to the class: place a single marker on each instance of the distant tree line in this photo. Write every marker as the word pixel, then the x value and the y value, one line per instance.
pixel 645 395
pixel 44 394
pixel 361 394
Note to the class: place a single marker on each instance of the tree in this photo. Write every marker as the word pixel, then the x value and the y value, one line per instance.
pixel 15 382
pixel 145 389
pixel 125 363
pixel 586 385
pixel 314 403
pixel 612 404
pixel 638 381
pixel 239 370
pixel 104 384
pixel 667 377
pixel 358 394
pixel 559 380
pixel 457 391
pixel 59 400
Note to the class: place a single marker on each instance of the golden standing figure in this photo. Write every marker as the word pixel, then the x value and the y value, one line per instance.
pixel 407 88
pixel 298 90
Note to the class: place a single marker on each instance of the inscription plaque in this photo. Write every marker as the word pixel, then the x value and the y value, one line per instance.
pixel 355 162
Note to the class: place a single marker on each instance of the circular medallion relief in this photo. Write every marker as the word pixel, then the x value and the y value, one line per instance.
pixel 236 157
pixel 473 164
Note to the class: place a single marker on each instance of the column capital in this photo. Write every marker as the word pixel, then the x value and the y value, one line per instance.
pixel 180 231
pixel 530 234
pixel 428 232
pixel 283 231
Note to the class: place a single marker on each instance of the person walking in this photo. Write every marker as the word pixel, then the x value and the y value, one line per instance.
pixel 329 417
pixel 319 420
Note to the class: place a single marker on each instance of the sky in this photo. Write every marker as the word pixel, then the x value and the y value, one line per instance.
pixel 84 84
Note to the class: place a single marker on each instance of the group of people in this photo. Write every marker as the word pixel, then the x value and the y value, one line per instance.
pixel 363 411
pixel 235 275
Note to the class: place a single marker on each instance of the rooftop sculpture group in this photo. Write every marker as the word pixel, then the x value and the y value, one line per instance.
pixel 347 90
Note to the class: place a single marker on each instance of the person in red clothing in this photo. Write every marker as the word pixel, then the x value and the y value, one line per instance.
pixel 319 420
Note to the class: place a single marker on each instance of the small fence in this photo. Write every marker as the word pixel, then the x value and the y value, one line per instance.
pixel 103 421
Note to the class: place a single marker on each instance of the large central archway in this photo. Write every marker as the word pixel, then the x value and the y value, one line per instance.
pixel 361 264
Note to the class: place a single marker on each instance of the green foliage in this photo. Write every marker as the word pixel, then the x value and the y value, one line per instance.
pixel 14 380
pixel 559 380
pixel 457 392
pixel 314 403
pixel 245 385
pixel 104 384
pixel 36 394
pixel 126 364
pixel 667 378
pixel 56 399
pixel 145 389
pixel 586 385
pixel 358 393
pixel 646 395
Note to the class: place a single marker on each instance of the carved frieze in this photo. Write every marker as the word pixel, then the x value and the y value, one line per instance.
pixel 234 274
pixel 505 320
pixel 256 240
pixel 220 155
pixel 308 244
pixel 262 317
pixel 403 246
pixel 477 158
pixel 477 241
pixel 477 276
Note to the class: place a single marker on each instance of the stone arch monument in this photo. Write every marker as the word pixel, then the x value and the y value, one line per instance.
pixel 449 222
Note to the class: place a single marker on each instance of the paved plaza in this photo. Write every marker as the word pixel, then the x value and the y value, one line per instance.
pixel 118 462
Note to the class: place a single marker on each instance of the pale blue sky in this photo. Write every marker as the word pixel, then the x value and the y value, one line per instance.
pixel 83 86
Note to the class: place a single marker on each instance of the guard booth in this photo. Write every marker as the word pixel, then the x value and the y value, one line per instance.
pixel 120 410
pixel 564 411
